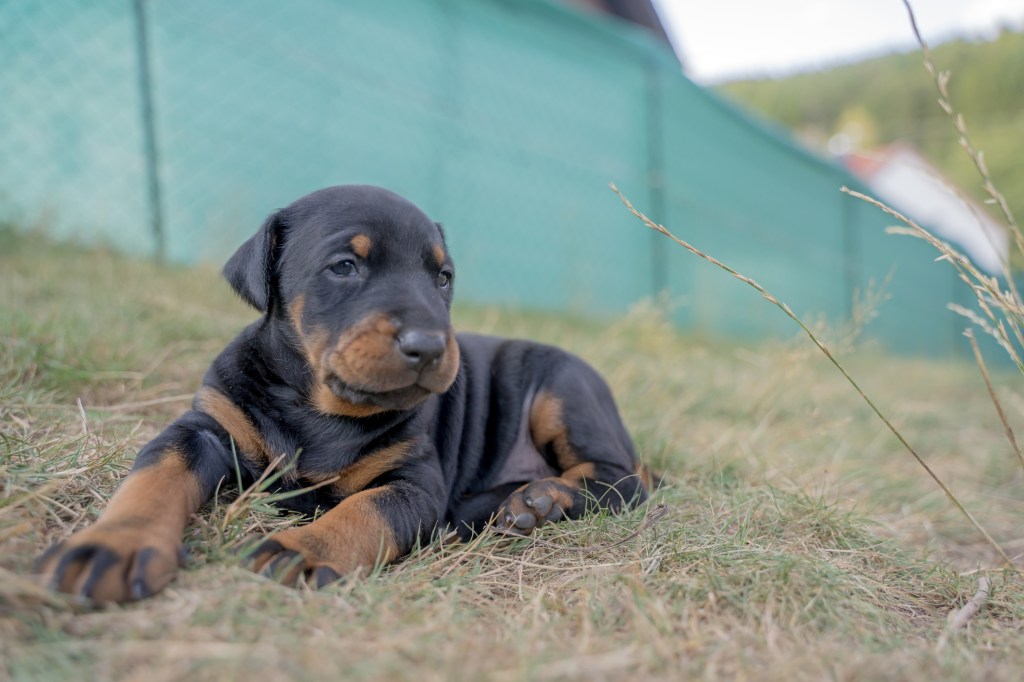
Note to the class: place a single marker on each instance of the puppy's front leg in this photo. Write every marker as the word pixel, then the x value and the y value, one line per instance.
pixel 133 550
pixel 373 526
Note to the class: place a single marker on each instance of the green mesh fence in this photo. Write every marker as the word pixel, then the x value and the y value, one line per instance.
pixel 505 120
pixel 71 152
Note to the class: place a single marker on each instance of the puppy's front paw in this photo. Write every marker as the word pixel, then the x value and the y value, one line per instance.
pixel 282 558
pixel 111 562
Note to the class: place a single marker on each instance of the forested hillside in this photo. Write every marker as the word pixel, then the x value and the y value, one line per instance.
pixel 891 98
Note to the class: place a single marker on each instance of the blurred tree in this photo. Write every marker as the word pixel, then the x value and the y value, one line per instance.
pixel 892 98
pixel 857 125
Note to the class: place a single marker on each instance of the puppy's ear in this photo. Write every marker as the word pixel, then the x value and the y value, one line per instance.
pixel 250 270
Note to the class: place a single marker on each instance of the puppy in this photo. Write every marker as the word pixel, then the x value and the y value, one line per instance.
pixel 397 425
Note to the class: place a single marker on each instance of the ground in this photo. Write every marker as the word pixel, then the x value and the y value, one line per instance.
pixel 799 541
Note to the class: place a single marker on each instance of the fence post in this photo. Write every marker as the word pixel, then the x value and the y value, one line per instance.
pixel 656 176
pixel 851 251
pixel 149 141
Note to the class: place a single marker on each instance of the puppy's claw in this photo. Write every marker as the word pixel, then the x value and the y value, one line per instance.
pixel 325 575
pixel 256 551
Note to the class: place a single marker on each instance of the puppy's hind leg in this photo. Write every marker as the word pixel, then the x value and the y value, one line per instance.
pixel 575 424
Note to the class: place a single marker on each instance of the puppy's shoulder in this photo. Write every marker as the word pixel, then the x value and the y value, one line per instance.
pixel 509 356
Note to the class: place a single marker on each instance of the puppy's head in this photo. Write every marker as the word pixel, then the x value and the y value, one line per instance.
pixel 362 281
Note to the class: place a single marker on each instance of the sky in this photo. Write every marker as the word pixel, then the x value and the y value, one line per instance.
pixel 720 40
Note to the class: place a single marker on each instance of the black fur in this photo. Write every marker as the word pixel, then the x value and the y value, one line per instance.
pixel 354 260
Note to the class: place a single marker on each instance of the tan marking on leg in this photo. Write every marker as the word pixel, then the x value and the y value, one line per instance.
pixel 644 474
pixel 357 534
pixel 439 255
pixel 226 413
pixel 163 494
pixel 353 534
pixel 547 427
pixel 574 475
pixel 369 467
pixel 144 521
pixel 361 245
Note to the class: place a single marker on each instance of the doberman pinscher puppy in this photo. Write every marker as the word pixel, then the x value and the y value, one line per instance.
pixel 353 371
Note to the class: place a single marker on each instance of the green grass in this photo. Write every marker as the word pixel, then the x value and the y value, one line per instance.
pixel 801 542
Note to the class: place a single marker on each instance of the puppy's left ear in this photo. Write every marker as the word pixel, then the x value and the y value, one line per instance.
pixel 250 270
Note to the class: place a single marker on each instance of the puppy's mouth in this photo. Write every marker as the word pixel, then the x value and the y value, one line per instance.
pixel 403 398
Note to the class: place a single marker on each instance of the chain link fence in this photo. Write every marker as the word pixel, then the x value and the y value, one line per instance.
pixel 173 127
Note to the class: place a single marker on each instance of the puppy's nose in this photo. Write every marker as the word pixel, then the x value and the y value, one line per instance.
pixel 421 348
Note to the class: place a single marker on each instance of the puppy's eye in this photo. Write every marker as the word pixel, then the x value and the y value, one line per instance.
pixel 444 279
pixel 344 268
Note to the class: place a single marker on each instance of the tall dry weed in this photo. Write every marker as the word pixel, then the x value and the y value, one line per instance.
pixel 1002 309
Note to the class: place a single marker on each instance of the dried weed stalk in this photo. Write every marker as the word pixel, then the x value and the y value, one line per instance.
pixel 1002 310
pixel 824 349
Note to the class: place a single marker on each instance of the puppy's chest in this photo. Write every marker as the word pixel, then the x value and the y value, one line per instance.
pixel 316 464
pixel 345 451
pixel 323 452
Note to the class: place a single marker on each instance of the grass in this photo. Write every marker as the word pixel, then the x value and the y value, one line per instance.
pixel 801 541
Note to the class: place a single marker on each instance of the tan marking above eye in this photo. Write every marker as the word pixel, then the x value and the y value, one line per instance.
pixel 439 254
pixel 361 245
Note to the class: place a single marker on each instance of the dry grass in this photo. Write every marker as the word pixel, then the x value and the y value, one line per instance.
pixel 800 543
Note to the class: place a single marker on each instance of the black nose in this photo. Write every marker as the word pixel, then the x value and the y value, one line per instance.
pixel 421 348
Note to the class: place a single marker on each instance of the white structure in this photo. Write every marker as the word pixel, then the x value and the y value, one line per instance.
pixel 901 178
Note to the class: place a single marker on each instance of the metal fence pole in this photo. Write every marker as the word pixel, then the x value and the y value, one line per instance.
pixel 146 110
pixel 655 176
